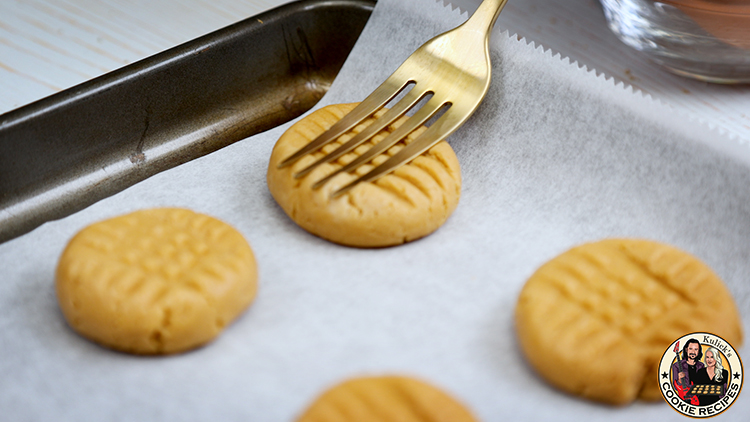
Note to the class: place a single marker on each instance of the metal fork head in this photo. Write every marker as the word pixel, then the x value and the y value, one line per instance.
pixel 453 68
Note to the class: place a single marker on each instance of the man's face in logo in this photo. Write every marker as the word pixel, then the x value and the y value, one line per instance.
pixel 692 351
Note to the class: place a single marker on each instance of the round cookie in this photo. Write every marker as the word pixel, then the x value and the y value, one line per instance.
pixel 387 399
pixel 411 202
pixel 595 320
pixel 155 281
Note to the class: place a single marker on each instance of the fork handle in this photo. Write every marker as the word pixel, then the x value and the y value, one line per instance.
pixel 485 16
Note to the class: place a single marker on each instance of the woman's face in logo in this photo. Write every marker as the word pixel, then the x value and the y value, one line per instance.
pixel 710 359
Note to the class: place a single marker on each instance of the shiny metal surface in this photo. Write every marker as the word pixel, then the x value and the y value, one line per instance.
pixel 453 68
pixel 67 151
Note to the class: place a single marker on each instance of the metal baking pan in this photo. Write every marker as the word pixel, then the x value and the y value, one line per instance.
pixel 63 153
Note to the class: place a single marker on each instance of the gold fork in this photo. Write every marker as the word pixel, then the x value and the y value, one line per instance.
pixel 454 67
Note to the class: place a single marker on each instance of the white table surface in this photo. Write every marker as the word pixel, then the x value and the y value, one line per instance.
pixel 49 45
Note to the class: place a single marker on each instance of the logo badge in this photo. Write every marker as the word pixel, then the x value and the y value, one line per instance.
pixel 700 375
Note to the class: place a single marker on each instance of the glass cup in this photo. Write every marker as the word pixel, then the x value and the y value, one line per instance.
pixel 703 39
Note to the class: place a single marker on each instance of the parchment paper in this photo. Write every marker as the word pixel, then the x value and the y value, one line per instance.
pixel 554 157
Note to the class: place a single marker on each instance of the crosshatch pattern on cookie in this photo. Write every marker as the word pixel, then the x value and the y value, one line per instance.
pixel 409 203
pixel 404 182
pixel 387 398
pixel 630 287
pixel 155 281
pixel 614 295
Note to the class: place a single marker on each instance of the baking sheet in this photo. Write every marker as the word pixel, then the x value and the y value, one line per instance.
pixel 63 153
pixel 554 157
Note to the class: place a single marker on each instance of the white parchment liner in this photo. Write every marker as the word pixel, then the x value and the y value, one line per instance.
pixel 554 157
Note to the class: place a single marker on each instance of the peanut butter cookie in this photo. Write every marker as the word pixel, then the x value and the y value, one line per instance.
pixel 595 320
pixel 386 399
pixel 155 281
pixel 405 205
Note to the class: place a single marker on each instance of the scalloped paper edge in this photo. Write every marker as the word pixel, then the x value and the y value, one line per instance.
pixel 664 107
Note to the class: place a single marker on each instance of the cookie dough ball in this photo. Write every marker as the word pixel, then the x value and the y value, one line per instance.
pixel 596 320
pixel 405 205
pixel 386 399
pixel 155 281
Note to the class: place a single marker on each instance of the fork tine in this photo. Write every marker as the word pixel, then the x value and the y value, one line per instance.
pixel 420 117
pixel 439 130
pixel 374 102
pixel 409 100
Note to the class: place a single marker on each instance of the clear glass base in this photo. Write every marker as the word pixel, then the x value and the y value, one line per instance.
pixel 703 39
